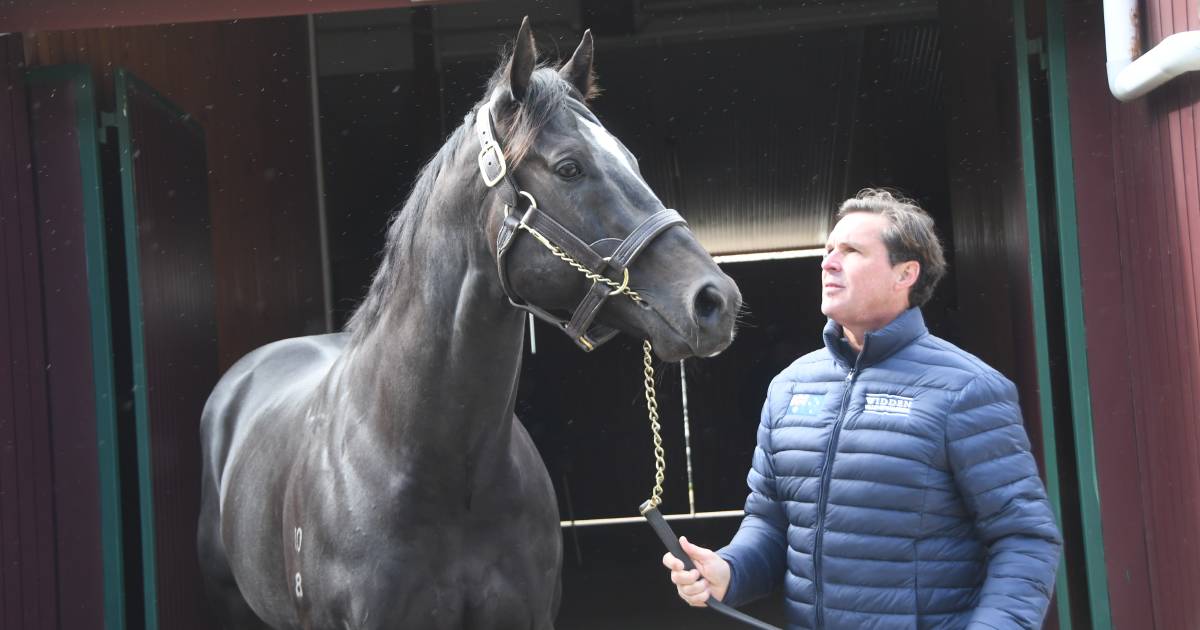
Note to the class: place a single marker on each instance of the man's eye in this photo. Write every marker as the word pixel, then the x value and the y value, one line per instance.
pixel 568 169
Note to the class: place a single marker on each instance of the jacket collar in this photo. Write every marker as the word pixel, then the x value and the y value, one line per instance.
pixel 879 344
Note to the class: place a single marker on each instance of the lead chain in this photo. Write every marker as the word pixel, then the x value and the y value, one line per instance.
pixel 593 276
pixel 660 462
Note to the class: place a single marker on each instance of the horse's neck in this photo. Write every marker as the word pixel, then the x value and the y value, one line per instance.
pixel 435 377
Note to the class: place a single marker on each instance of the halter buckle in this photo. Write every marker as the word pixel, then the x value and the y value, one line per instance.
pixel 492 155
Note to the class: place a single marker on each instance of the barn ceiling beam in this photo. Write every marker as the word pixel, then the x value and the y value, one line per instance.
pixel 59 15
pixel 669 21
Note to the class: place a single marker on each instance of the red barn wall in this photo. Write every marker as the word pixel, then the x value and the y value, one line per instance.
pixel 247 83
pixel 28 593
pixel 1136 181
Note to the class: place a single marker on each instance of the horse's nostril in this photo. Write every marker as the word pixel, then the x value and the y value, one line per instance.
pixel 708 303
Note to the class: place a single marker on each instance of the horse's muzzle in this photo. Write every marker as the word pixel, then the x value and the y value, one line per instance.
pixel 714 307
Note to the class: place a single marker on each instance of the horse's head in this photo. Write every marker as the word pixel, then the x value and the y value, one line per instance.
pixel 585 184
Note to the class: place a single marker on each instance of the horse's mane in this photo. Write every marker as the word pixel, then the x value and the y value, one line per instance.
pixel 547 93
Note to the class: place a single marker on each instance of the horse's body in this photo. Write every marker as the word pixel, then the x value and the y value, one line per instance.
pixel 379 479
pixel 427 560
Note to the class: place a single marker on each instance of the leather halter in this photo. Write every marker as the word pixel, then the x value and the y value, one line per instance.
pixel 581 328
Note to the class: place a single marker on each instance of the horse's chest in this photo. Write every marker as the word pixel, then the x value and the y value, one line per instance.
pixel 376 565
pixel 451 578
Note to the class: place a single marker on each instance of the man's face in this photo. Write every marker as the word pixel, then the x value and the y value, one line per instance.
pixel 860 289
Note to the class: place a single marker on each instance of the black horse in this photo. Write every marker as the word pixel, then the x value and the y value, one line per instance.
pixel 378 478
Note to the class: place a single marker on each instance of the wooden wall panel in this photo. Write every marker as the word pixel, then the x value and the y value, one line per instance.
pixel 246 83
pixel 1107 293
pixel 898 114
pixel 28 593
pixel 1137 179
pixel 991 266
pixel 60 178
pixel 987 200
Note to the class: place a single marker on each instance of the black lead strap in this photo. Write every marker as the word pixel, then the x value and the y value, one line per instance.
pixel 668 538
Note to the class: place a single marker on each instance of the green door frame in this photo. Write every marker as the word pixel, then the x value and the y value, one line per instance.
pixel 95 252
pixel 1073 315
pixel 1077 362
pixel 1037 287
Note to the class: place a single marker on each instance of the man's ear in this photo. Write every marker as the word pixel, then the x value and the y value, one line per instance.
pixel 907 273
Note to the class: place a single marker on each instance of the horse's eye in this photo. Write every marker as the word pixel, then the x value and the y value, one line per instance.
pixel 568 169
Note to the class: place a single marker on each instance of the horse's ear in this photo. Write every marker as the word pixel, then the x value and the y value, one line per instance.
pixel 520 67
pixel 578 70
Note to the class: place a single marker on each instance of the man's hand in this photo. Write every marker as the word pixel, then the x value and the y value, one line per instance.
pixel 710 578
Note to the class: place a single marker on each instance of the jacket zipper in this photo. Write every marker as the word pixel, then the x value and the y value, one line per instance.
pixel 823 500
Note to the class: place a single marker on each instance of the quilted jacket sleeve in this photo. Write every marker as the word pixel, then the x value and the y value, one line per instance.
pixel 988 453
pixel 757 555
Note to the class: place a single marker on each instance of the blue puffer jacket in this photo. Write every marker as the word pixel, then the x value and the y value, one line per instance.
pixel 895 489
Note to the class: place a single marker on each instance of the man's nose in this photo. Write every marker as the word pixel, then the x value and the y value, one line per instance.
pixel 829 262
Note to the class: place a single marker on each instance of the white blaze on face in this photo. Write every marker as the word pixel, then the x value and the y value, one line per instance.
pixel 608 144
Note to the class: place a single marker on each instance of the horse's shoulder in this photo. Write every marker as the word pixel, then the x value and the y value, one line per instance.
pixel 285 359
pixel 309 348
pixel 260 380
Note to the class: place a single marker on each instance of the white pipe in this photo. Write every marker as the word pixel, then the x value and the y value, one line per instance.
pixel 1131 75
pixel 532 336
pixel 624 520
pixel 687 437
pixel 780 255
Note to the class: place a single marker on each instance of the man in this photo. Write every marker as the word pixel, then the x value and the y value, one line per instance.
pixel 892 485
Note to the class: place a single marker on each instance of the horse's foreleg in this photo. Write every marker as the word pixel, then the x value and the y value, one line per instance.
pixel 228 608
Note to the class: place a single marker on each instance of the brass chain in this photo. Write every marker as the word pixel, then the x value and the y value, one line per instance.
pixel 618 287
pixel 660 462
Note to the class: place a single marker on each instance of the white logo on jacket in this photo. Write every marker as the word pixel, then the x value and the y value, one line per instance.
pixel 888 404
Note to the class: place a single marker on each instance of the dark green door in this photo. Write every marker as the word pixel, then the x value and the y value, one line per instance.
pixel 173 335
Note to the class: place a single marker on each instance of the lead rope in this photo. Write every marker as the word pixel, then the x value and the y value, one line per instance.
pixel 649 508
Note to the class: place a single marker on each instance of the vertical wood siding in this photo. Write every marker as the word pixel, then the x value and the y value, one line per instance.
pixel 1137 180
pixel 28 592
pixel 69 361
pixel 246 83
pixel 990 244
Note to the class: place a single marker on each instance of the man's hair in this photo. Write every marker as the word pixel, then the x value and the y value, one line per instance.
pixel 909 236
